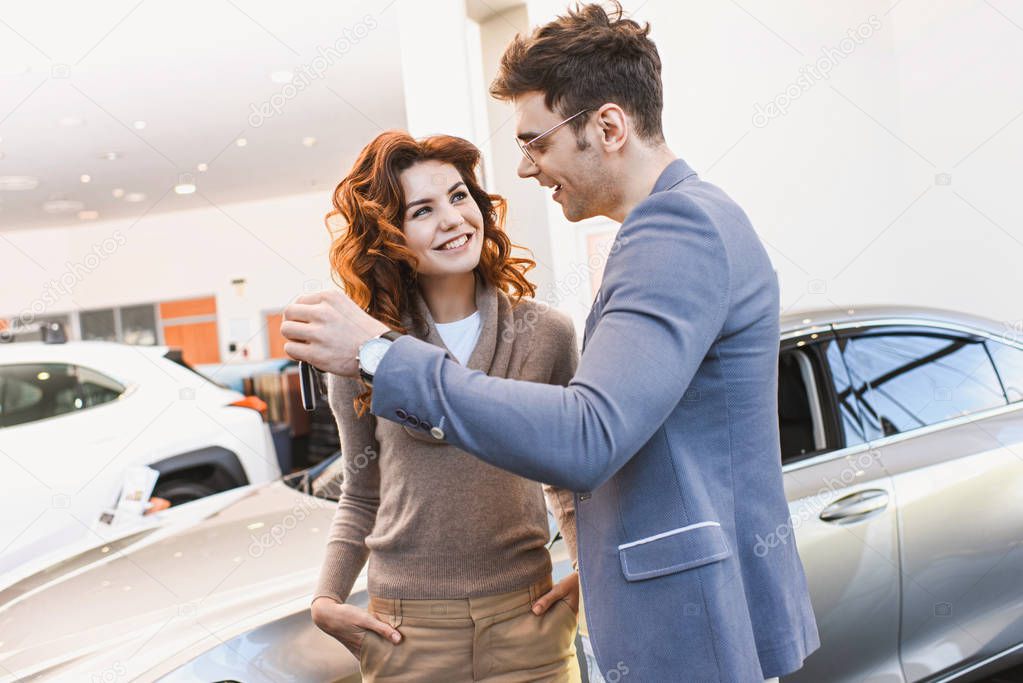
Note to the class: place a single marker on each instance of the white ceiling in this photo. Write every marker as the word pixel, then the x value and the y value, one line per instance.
pixel 192 71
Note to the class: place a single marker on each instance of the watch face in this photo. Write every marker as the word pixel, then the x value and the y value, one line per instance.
pixel 371 354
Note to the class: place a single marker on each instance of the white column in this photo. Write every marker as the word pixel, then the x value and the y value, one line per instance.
pixel 435 63
pixel 529 218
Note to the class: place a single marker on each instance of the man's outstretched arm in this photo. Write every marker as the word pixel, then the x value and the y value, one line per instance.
pixel 666 290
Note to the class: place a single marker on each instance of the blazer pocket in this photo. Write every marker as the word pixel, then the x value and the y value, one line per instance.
pixel 673 551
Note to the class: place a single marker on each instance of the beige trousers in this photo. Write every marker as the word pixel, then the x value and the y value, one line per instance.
pixel 496 639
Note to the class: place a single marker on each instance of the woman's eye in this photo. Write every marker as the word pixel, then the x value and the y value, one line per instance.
pixel 419 212
pixel 458 196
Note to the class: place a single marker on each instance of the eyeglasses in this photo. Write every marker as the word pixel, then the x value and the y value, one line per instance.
pixel 524 145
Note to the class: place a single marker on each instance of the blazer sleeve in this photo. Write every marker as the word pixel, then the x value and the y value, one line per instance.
pixel 356 512
pixel 665 293
pixel 561 502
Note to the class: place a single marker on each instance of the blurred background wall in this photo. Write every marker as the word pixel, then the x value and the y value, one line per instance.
pixel 173 155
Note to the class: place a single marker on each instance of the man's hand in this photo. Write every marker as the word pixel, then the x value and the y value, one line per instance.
pixel 326 329
pixel 567 588
pixel 348 624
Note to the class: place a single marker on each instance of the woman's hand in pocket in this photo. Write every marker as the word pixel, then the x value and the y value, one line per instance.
pixel 567 589
pixel 348 624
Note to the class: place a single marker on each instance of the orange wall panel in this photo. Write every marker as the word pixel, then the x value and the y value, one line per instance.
pixel 198 341
pixel 275 340
pixel 188 307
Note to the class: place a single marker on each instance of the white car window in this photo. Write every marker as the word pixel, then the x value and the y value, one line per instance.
pixel 36 391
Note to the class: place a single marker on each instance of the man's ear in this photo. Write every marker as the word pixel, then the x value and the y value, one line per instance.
pixel 614 127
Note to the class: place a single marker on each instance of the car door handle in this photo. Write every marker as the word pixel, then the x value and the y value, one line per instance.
pixel 855 505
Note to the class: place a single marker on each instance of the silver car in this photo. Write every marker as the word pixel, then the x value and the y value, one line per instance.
pixel 902 446
pixel 902 440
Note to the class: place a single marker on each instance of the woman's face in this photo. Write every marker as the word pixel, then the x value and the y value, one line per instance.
pixel 442 223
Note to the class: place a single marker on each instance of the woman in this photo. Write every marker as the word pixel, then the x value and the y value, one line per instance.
pixel 459 574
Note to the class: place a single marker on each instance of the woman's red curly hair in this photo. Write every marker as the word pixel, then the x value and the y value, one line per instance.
pixel 369 257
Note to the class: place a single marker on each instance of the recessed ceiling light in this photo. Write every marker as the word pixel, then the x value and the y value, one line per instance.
pixel 241 142
pixel 202 168
pixel 110 156
pixel 184 188
pixel 139 125
pixel 135 197
pixel 117 192
pixel 88 215
pixel 85 177
pixel 62 206
pixel 17 183
pixel 282 76
pixel 70 121
pixel 308 141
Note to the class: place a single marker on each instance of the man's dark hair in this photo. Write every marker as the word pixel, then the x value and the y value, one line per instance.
pixel 584 59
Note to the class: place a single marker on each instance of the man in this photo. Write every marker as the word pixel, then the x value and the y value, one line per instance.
pixel 669 431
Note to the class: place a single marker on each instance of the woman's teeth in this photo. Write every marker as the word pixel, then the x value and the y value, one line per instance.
pixel 455 243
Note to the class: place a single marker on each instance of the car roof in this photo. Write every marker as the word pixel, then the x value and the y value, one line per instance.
pixel 814 318
pixel 73 350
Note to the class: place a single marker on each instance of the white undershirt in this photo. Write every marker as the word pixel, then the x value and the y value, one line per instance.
pixel 461 336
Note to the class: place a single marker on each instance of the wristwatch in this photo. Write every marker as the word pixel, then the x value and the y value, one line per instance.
pixel 371 353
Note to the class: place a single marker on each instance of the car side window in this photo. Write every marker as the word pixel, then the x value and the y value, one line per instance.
pixel 907 378
pixel 1009 363
pixel 35 391
pixel 847 409
pixel 816 408
pixel 799 424
pixel 96 389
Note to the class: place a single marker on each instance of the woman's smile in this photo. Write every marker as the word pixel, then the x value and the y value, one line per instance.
pixel 457 244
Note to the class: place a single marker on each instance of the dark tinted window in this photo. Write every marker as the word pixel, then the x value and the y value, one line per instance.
pixel 98 325
pixel 801 433
pixel 36 391
pixel 816 407
pixel 1009 361
pixel 912 379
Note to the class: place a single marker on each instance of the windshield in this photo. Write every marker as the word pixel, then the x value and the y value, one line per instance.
pixel 322 480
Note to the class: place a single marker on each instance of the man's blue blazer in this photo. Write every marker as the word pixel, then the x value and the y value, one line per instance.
pixel 669 434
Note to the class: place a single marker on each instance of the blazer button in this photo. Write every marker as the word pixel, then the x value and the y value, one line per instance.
pixel 402 415
pixel 437 433
pixel 413 420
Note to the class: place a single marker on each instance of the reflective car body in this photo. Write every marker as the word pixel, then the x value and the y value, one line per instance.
pixel 902 442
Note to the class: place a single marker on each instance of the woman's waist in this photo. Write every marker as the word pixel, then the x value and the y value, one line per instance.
pixel 470 573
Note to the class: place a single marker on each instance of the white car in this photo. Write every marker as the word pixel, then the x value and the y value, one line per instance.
pixel 75 415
